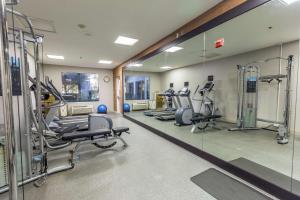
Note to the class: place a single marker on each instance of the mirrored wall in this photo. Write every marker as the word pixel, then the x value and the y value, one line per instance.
pixel 231 91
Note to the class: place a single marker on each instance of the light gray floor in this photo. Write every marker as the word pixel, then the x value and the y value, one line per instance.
pixel 258 146
pixel 150 169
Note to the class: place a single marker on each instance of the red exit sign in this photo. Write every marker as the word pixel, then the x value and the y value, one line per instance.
pixel 219 43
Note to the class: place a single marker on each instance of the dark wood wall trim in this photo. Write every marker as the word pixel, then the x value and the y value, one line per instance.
pixel 218 20
pixel 250 178
pixel 215 16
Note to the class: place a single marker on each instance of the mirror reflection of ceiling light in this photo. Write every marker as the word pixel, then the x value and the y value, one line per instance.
pixel 135 65
pixel 288 2
pixel 174 49
pixel 56 57
pixel 126 41
pixel 166 67
pixel 107 62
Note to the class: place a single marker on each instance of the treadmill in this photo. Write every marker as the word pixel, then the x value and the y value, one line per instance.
pixel 168 95
pixel 183 92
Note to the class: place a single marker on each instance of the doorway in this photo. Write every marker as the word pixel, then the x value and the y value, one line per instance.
pixel 118 84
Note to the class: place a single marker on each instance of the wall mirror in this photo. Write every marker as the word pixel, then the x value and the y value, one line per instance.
pixel 232 92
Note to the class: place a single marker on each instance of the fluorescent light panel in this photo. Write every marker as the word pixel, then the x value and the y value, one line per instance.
pixel 56 57
pixel 135 65
pixel 166 67
pixel 107 62
pixel 174 49
pixel 126 41
pixel 289 1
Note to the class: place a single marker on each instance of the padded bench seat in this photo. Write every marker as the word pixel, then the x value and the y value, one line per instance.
pixel 120 129
pixel 85 134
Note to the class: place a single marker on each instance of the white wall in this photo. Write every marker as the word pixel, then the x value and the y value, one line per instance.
pixel 225 75
pixel 155 81
pixel 105 89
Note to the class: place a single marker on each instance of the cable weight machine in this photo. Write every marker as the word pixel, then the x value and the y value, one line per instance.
pixel 248 78
pixel 23 128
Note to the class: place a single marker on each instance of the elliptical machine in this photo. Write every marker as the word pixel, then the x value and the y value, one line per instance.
pixel 184 114
pixel 208 112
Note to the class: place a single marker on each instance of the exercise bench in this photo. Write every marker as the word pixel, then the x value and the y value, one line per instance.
pixel 95 137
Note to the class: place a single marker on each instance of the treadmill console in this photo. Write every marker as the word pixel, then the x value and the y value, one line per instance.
pixel 169 92
pixel 184 92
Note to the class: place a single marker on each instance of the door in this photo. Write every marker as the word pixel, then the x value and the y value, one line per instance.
pixel 118 83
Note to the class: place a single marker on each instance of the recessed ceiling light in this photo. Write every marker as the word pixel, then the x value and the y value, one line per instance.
pixel 174 49
pixel 107 62
pixel 56 57
pixel 166 67
pixel 135 65
pixel 126 41
pixel 289 1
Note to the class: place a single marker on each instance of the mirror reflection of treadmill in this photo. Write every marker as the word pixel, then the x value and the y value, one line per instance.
pixel 171 115
pixel 169 93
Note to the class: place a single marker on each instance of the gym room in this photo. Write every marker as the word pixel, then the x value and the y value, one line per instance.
pixel 152 100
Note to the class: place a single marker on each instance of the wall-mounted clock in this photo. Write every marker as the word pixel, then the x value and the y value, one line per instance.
pixel 106 79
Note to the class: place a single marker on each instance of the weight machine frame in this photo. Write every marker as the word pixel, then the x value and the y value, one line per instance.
pixel 31 117
pixel 284 126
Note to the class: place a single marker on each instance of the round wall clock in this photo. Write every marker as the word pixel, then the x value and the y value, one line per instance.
pixel 106 79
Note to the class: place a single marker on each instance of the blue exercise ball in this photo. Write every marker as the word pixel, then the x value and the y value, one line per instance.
pixel 102 109
pixel 126 107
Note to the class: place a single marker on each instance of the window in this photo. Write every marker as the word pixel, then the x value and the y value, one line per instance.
pixel 137 87
pixel 78 87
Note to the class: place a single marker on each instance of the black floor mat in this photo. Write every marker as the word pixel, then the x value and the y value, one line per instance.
pixel 268 174
pixel 223 187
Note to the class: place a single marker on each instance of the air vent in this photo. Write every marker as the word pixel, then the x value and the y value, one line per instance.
pixel 40 24
pixel 210 55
